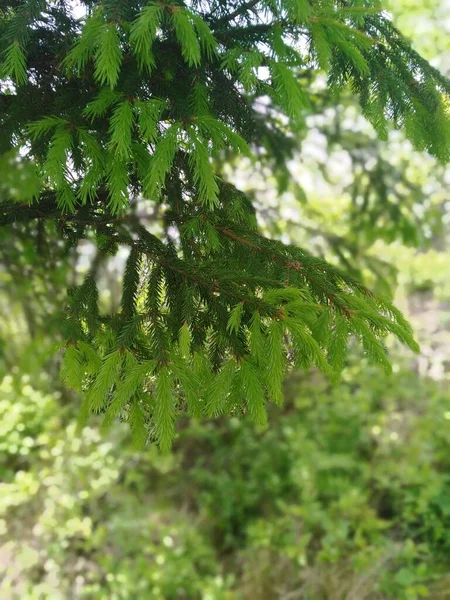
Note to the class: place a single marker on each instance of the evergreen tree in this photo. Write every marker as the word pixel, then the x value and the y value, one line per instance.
pixel 127 114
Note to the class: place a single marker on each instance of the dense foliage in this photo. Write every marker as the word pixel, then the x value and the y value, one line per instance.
pixel 124 117
pixel 345 496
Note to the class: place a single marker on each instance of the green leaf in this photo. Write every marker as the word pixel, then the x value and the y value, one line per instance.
pixel 254 393
pixel 107 377
pixel 286 294
pixel 65 197
pixel 91 359
pixel 374 349
pixel 234 320
pixel 137 422
pixel 204 175
pixel 275 361
pixel 207 40
pixel 104 100
pixel 55 168
pixel 337 349
pixel 164 413
pixel 14 64
pixel 84 47
pixel 127 389
pixel 143 33
pixel 149 114
pixel 94 164
pixel 199 100
pixel 248 72
pixel 43 126
pixel 289 92
pixel 221 135
pixel 120 129
pixel 162 160
pixel 186 36
pixel 117 183
pixel 55 164
pixel 191 386
pixel 219 389
pixel 306 348
pixel 299 10
pixel 72 369
pixel 91 148
pixel 320 329
pixel 354 55
pixel 184 340
pixel 257 341
pixel 130 286
pixel 108 56
pixel 321 47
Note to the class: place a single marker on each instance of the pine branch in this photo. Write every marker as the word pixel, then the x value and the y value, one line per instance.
pixel 246 7
pixel 143 104
pixel 252 32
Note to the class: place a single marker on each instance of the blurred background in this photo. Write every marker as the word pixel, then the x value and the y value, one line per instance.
pixel 344 496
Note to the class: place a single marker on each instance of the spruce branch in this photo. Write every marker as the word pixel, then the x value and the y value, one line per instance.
pixel 126 117
pixel 243 9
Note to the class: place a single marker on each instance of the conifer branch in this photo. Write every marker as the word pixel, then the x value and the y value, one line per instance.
pixel 241 10
pixel 147 102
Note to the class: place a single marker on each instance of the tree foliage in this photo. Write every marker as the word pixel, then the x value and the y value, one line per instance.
pixel 133 107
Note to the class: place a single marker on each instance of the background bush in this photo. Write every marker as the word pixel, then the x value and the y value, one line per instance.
pixel 345 495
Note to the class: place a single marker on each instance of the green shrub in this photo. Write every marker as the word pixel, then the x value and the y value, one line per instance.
pixel 344 496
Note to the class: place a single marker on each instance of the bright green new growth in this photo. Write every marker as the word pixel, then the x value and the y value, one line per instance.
pixel 137 105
